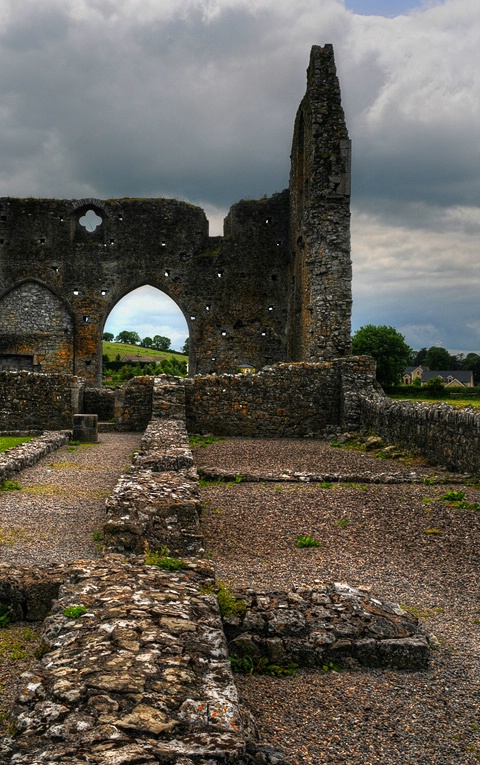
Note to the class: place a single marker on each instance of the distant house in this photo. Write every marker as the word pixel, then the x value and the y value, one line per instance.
pixel 455 378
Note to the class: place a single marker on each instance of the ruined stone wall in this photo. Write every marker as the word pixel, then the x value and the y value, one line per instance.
pixel 320 298
pixel 285 400
pixel 445 435
pixel 30 401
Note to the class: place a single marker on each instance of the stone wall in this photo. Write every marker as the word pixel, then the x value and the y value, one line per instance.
pixel 285 400
pixel 30 401
pixel 445 435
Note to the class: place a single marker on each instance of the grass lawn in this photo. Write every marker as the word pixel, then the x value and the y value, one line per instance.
pixel 112 350
pixel 6 442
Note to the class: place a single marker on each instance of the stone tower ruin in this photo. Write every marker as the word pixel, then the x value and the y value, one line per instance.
pixel 275 287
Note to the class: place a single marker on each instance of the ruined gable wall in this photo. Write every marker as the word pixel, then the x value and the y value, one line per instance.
pixel 320 298
pixel 232 290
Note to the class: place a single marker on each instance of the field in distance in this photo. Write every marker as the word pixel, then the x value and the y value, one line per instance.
pixel 112 350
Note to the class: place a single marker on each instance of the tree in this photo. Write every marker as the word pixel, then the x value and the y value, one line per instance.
pixel 439 359
pixel 146 342
pixel 471 362
pixel 186 346
pixel 388 348
pixel 161 343
pixel 418 357
pixel 108 337
pixel 129 338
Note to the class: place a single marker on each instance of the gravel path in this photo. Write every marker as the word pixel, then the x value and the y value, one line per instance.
pixel 62 502
pixel 403 540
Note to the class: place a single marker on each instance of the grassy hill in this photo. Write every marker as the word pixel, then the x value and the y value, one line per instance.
pixel 112 350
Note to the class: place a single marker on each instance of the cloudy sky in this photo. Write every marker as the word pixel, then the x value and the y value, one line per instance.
pixel 196 99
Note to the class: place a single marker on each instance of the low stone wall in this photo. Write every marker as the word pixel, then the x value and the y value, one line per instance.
pixel 447 436
pixel 157 503
pixel 39 401
pixel 285 400
pixel 313 626
pixel 25 455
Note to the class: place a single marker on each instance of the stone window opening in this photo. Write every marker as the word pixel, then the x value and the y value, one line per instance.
pixel 274 277
pixel 103 292
pixel 268 221
pixel 219 274
pixel 55 269
pixel 207 307
pixel 112 241
pixel 279 243
pixel 270 307
pixel 167 273
pixel 163 244
pixel 120 217
pixel 76 291
pixel 42 240
pixel 86 319
pixel 192 318
pixel 2 241
pixel 90 221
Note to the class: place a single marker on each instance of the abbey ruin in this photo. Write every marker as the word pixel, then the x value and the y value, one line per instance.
pixel 142 674
pixel 275 287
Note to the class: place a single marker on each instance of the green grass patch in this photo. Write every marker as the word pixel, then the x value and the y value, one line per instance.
pixel 342 522
pixel 204 481
pixel 8 485
pixel 202 441
pixel 306 540
pixel 8 442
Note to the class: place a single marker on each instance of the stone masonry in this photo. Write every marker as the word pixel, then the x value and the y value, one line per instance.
pixel 274 287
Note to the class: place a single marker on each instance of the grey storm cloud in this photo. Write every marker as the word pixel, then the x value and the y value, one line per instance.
pixel 196 99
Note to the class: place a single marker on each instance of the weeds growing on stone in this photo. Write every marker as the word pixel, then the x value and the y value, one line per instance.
pixel 162 559
pixel 306 541
pixel 73 612
pixel 343 522
pixel 228 604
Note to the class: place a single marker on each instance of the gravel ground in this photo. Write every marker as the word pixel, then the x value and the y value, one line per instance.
pixel 51 520
pixel 403 540
pixel 62 502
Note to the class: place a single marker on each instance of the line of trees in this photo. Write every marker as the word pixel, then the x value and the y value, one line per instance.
pixel 392 355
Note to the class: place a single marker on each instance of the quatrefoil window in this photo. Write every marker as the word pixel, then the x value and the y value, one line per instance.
pixel 90 221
